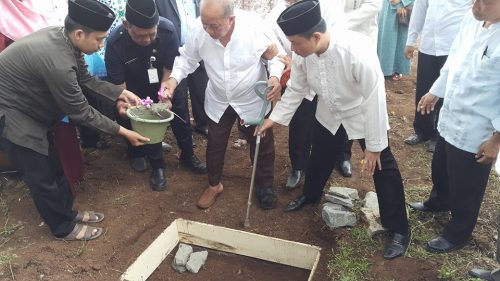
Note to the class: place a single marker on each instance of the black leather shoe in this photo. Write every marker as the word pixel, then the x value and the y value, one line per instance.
pixel 345 168
pixel 194 164
pixel 414 139
pixel 420 206
pixel 158 181
pixel 267 198
pixel 481 274
pixel 166 147
pixel 297 204
pixel 397 247
pixel 441 245
pixel 202 131
pixel 294 179
pixel 139 164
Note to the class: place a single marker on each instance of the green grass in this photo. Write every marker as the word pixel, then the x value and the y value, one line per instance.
pixel 6 258
pixel 350 262
pixel 80 250
pixel 8 230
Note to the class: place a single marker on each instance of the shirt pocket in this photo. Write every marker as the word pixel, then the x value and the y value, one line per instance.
pixel 489 69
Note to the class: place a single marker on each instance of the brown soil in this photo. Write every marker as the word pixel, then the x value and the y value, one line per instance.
pixel 135 215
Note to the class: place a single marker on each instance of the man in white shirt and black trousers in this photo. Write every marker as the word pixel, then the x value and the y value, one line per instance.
pixel 231 43
pixel 469 125
pixel 342 68
pixel 437 22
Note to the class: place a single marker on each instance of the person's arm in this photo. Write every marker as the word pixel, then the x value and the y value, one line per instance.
pixel 188 60
pixel 294 94
pixel 367 73
pixel 274 65
pixel 416 25
pixel 368 10
pixel 95 86
pixel 488 151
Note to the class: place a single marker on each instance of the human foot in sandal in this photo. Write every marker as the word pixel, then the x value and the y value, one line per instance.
pixel 397 76
pixel 88 217
pixel 83 232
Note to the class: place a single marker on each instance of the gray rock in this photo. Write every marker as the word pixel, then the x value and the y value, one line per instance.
pixel 373 219
pixel 178 268
pixel 335 218
pixel 333 206
pixel 371 200
pixel 338 200
pixel 182 255
pixel 196 261
pixel 344 192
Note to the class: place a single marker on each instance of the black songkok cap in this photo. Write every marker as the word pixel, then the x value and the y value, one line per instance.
pixel 91 13
pixel 299 17
pixel 142 13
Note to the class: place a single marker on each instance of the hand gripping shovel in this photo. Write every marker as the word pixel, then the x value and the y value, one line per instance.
pixel 261 89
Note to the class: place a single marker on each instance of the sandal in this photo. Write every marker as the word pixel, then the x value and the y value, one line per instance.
pixel 83 232
pixel 396 76
pixel 239 143
pixel 88 217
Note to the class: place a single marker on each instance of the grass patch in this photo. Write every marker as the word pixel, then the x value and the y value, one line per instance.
pixel 6 258
pixel 80 250
pixel 8 230
pixel 350 262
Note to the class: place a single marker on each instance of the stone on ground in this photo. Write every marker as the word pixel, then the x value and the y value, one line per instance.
pixel 182 255
pixel 196 261
pixel 344 192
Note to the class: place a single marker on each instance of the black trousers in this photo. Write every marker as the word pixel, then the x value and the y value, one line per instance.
pixel 182 131
pixel 47 183
pixel 300 134
pixel 427 73
pixel 326 148
pixel 196 82
pixel 459 183
pixel 218 137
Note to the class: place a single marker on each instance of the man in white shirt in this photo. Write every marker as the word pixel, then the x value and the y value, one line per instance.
pixel 231 44
pixel 300 128
pixel 469 125
pixel 344 71
pixel 437 22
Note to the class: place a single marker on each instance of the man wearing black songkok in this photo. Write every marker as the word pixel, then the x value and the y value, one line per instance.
pixel 344 72
pixel 146 43
pixel 42 79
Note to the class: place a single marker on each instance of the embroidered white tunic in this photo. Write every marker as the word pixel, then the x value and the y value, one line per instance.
pixel 350 86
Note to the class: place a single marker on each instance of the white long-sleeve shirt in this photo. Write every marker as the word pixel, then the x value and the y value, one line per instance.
pixel 362 16
pixel 470 85
pixel 437 22
pixel 232 70
pixel 350 86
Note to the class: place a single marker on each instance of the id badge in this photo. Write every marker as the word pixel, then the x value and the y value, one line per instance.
pixel 153 76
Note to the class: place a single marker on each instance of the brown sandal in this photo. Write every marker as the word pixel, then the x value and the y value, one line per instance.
pixel 88 217
pixel 83 232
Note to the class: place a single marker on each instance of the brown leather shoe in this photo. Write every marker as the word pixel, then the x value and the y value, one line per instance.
pixel 208 197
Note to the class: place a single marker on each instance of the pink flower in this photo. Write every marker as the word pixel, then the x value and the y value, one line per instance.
pixel 147 102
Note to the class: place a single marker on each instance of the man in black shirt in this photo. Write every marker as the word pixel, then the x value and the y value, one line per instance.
pixel 139 55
